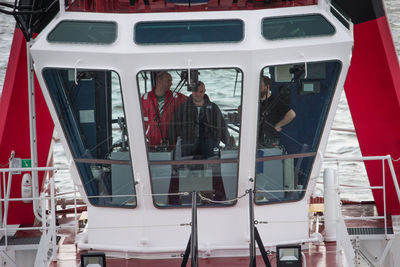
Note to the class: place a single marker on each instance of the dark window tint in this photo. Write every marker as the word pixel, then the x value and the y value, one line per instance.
pixel 175 32
pixel 92 32
pixel 340 15
pixel 296 27
pixel 91 112
pixel 293 108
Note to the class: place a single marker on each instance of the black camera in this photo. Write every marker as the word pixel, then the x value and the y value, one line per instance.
pixel 297 70
pixel 194 79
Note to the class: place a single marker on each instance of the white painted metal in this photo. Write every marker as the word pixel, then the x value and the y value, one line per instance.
pixel 26 186
pixel 146 229
pixel 53 221
pixel 373 248
pixel 331 203
pixel 8 259
pixel 343 244
pixel 32 129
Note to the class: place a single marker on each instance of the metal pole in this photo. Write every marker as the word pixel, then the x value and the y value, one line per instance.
pixel 396 183
pixel 53 218
pixel 32 128
pixel 4 215
pixel 252 243
pixel 193 241
pixel 384 196
pixel 1 206
pixel 75 212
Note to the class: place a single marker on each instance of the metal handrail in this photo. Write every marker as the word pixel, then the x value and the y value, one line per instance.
pixel 387 158
pixel 48 224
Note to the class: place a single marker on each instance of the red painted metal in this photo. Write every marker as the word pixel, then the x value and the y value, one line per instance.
pixel 139 6
pixel 14 125
pixel 373 91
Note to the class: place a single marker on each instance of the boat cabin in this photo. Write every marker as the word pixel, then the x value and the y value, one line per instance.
pixel 229 78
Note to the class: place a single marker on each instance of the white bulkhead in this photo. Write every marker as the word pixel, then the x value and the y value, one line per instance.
pixel 141 225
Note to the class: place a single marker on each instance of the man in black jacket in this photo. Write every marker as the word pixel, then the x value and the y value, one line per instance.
pixel 274 114
pixel 199 125
pixel 196 130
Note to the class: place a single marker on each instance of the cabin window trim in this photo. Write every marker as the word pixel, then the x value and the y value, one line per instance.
pixel 198 162
pixel 189 43
pixel 80 160
pixel 313 154
pixel 81 42
pixel 296 37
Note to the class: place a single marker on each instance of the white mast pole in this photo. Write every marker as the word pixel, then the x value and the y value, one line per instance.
pixel 32 128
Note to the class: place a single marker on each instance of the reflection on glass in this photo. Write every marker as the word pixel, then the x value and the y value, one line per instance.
pixel 90 108
pixel 88 32
pixel 309 25
pixel 292 112
pixel 191 123
pixel 183 32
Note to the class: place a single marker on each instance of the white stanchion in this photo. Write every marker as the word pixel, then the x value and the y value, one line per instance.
pixel 331 204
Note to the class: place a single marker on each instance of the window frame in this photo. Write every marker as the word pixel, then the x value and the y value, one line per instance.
pixel 197 162
pixel 77 160
pixel 313 154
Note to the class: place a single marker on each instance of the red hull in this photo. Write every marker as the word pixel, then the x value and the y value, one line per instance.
pixel 373 92
pixel 14 125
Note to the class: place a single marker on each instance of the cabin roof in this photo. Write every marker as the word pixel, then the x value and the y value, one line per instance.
pixel 141 6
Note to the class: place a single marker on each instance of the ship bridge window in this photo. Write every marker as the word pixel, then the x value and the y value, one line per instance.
pixel 296 27
pixel 192 134
pixel 293 108
pixel 86 32
pixel 91 112
pixel 178 32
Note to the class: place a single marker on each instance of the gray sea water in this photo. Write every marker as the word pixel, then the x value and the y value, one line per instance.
pixel 339 144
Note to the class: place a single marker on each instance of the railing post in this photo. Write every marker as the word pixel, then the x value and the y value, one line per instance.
pixel 394 178
pixel 43 220
pixel 384 196
pixel 251 223
pixel 75 212
pixel 1 204
pixel 331 201
pixel 193 241
pixel 53 217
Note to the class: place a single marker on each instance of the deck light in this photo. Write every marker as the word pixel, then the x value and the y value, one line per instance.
pixel 93 259
pixel 288 256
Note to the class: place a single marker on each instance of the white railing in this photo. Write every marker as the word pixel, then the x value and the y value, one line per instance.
pixel 48 242
pixel 388 159
pixel 342 236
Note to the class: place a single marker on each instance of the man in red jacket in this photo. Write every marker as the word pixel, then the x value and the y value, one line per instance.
pixel 158 108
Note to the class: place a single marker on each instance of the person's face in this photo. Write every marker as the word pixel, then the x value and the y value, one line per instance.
pixel 166 82
pixel 199 94
pixel 264 90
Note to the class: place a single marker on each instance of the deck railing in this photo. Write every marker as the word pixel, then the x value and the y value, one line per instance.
pixel 388 159
pixel 342 236
pixel 48 241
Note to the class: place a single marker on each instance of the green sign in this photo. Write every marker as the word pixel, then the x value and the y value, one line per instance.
pixel 26 163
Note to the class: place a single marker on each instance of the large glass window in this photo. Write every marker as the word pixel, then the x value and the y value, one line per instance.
pixel 175 32
pixel 294 102
pixel 296 27
pixel 89 32
pixel 192 134
pixel 91 111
